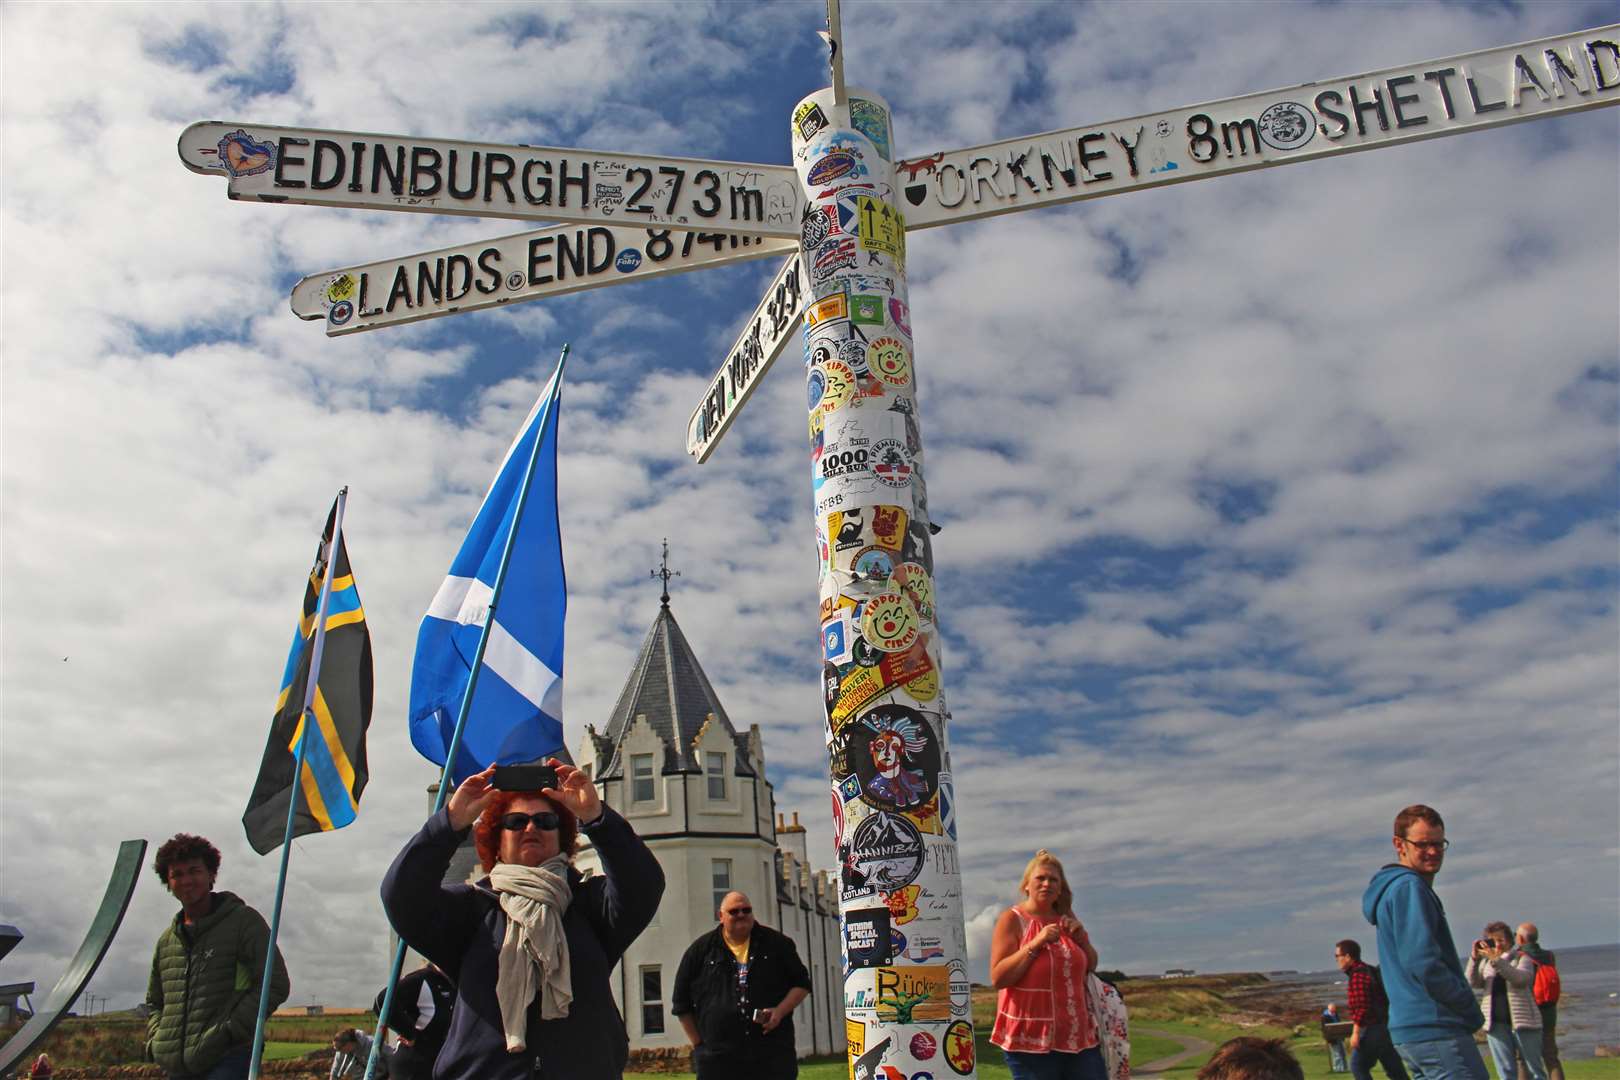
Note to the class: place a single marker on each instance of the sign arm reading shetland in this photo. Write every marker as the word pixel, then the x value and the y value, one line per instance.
pixel 315 167
pixel 1466 92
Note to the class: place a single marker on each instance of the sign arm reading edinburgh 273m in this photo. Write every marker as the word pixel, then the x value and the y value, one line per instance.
pixel 314 167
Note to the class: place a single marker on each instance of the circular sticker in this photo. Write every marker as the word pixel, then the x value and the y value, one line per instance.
pixel 890 361
pixel 515 280
pixel 816 391
pixel 959 1047
pixel 923 1045
pixel 924 687
pixel 820 353
pixel 341 312
pixel 853 353
pixel 874 564
pixel 864 654
pixel 887 850
pixel 913 582
pixel 839 384
pixel 896 755
pixel 891 461
pixel 890 622
pixel 627 261
pixel 1287 125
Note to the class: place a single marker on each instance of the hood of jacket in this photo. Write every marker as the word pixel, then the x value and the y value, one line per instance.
pixel 224 904
pixel 1379 885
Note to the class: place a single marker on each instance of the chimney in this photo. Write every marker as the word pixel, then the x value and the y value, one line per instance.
pixel 792 838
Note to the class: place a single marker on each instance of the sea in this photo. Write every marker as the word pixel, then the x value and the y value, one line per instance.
pixel 1588 1010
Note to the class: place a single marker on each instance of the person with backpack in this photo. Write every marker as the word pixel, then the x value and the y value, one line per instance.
pixel 1368 1010
pixel 1547 989
pixel 1512 1021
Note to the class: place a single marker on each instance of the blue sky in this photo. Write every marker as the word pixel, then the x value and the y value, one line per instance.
pixel 1271 503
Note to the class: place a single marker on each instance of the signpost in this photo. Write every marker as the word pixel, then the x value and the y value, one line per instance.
pixel 846 205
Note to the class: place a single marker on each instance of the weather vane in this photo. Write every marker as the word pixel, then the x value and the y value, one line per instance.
pixel 666 573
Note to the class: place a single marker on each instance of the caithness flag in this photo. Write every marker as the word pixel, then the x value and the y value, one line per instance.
pixel 516 711
pixel 334 772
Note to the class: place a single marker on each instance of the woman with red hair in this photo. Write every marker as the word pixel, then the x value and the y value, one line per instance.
pixel 530 946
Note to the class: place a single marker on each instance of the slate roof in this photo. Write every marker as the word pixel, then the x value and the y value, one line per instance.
pixel 668 686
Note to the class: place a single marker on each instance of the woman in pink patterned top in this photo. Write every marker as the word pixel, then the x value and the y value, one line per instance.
pixel 1039 958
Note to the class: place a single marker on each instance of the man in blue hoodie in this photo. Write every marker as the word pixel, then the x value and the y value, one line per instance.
pixel 1432 1013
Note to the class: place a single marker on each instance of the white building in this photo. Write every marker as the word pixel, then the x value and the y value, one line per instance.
pixel 695 790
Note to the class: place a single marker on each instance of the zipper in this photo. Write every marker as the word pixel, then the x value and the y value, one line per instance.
pixel 185 1008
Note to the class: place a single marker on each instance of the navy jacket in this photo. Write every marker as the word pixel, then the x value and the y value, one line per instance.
pixel 460 928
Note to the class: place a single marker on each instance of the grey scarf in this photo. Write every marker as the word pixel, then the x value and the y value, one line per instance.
pixel 534 953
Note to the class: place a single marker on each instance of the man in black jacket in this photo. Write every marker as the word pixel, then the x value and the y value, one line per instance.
pixel 735 994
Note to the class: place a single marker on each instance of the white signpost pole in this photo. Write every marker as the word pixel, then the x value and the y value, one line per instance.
pixel 907 1000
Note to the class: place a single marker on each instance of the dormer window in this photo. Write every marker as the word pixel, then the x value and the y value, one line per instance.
pixel 715 768
pixel 641 778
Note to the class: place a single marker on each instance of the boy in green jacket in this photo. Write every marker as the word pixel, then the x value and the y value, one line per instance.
pixel 203 995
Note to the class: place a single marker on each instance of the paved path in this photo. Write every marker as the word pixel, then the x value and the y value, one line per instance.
pixel 1191 1047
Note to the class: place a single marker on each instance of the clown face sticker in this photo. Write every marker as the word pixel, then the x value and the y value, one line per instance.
pixel 837 384
pixel 890 360
pixel 913 582
pixel 890 623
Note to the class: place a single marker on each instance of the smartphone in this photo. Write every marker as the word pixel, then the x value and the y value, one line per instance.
pixel 524 777
pixel 761 1015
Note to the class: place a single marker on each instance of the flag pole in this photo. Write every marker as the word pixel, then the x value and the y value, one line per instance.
pixel 311 685
pixel 446 775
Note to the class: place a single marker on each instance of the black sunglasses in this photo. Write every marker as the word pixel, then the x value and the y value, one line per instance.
pixel 544 820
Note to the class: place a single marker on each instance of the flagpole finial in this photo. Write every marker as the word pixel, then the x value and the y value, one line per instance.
pixel 665 573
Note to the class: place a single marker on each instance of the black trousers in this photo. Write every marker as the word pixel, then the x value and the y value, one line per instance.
pixel 1376 1046
pixel 754 1060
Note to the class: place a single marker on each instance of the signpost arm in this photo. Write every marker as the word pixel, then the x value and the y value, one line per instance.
pixel 834 36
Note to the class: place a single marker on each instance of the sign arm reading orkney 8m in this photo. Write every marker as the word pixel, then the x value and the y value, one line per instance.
pixel 1450 96
pixel 315 167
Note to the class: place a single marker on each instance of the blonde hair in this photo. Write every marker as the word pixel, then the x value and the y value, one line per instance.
pixel 1065 900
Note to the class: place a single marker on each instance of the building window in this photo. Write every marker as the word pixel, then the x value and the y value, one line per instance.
pixel 641 774
pixel 721 871
pixel 717 775
pixel 652 1000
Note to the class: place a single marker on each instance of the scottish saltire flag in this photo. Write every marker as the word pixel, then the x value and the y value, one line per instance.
pixel 516 711
pixel 334 772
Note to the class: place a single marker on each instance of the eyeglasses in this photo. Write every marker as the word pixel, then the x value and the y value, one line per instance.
pixel 1426 845
pixel 737 912
pixel 544 820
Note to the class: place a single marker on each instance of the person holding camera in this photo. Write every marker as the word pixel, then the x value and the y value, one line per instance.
pixel 1512 1019
pixel 529 947
pixel 734 995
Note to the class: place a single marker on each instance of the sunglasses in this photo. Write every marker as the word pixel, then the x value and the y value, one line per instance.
pixel 544 820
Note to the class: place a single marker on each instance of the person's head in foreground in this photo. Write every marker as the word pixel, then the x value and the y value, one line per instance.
pixel 1046 886
pixel 1249 1058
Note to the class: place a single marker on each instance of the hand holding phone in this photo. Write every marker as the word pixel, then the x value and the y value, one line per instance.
pixel 761 1015
pixel 524 777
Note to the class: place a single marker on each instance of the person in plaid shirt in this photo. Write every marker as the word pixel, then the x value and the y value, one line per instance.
pixel 1369 1012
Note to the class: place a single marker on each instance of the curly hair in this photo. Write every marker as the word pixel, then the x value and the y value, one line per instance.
pixel 487 829
pixel 1249 1058
pixel 183 847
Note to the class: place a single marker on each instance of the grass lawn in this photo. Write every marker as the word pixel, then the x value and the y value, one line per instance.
pixel 280 1051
